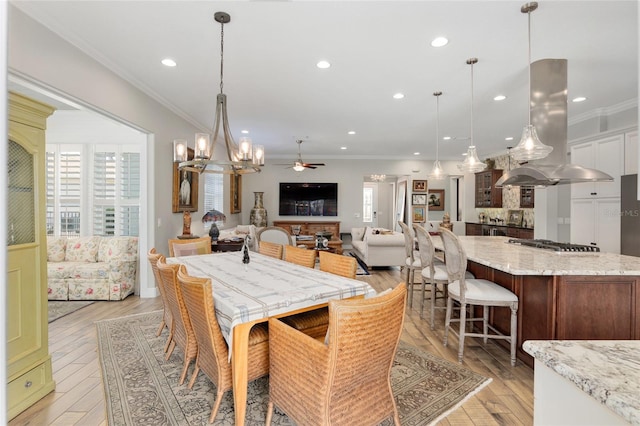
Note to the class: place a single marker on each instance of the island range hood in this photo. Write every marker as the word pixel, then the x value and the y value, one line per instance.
pixel 549 116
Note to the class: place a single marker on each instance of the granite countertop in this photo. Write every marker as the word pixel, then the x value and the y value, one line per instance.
pixel 607 370
pixel 515 259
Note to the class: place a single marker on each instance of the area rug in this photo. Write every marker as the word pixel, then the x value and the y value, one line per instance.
pixel 362 267
pixel 142 388
pixel 60 308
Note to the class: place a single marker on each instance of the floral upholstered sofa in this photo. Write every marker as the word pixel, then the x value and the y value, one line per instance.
pixel 91 268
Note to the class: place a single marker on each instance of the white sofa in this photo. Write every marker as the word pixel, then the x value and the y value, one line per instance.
pixel 241 231
pixel 384 249
pixel 91 268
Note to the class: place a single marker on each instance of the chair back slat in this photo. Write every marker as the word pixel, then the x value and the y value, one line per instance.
pixel 300 256
pixel 345 266
pixel 188 247
pixel 153 257
pixel 270 249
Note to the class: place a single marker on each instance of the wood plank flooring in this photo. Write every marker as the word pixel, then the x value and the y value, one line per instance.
pixel 79 400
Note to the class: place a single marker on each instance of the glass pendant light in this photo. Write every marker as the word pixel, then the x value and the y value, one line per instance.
pixel 530 147
pixel 471 163
pixel 437 173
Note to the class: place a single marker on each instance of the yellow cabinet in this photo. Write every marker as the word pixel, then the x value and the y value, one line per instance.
pixel 28 361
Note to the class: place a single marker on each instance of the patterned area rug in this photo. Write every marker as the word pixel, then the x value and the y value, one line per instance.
pixel 60 308
pixel 142 388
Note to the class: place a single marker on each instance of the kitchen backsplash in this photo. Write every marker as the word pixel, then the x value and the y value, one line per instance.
pixel 510 199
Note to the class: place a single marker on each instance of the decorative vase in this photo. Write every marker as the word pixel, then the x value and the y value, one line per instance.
pixel 258 215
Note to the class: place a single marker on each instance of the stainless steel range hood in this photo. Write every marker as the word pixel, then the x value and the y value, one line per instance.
pixel 549 116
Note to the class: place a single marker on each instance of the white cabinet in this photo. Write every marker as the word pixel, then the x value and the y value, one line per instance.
pixel 596 222
pixel 606 155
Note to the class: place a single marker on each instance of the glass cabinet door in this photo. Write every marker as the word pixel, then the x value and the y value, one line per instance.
pixel 21 226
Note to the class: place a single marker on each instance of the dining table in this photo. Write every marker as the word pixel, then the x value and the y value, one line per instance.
pixel 249 293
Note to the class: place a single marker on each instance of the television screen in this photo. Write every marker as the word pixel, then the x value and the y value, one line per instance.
pixel 308 199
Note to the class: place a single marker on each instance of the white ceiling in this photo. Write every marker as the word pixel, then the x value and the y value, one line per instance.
pixel 376 49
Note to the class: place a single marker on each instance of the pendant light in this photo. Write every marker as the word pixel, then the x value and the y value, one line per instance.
pixel 471 163
pixel 437 173
pixel 530 147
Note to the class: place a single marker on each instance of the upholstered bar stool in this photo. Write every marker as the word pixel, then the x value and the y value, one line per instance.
pixel 412 261
pixel 479 292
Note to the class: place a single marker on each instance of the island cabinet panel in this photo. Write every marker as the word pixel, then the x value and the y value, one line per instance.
pixel 598 308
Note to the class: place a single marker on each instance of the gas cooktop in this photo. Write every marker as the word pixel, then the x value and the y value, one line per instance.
pixel 552 245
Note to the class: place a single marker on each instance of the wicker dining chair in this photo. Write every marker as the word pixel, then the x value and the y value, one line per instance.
pixel 314 323
pixel 412 262
pixel 347 380
pixel 213 352
pixel 300 256
pixel 187 247
pixel 345 266
pixel 271 249
pixel 183 334
pixel 167 319
pixel 474 292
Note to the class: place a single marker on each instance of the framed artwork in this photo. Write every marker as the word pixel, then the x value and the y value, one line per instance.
pixel 185 189
pixel 514 217
pixel 418 199
pixel 418 214
pixel 436 199
pixel 419 186
pixel 235 192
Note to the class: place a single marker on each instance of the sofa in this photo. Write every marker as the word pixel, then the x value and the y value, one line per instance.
pixel 378 247
pixel 241 231
pixel 91 268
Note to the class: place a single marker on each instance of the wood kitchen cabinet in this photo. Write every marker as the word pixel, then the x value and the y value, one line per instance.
pixel 487 195
pixel 527 197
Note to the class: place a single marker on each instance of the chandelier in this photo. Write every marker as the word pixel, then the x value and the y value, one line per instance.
pixel 378 178
pixel 530 147
pixel 437 173
pixel 471 163
pixel 241 158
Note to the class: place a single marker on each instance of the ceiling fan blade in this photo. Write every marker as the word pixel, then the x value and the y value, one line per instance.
pixel 288 164
pixel 309 166
pixel 314 164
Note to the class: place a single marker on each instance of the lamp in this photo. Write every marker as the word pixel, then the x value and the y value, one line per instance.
pixel 378 178
pixel 437 173
pixel 298 167
pixel 213 216
pixel 242 158
pixel 471 163
pixel 530 147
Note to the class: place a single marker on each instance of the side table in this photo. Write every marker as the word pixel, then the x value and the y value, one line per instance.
pixel 226 245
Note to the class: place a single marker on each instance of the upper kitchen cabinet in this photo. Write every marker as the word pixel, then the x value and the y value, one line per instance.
pixel 487 195
pixel 606 155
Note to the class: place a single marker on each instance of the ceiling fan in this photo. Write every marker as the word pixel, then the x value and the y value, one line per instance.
pixel 300 165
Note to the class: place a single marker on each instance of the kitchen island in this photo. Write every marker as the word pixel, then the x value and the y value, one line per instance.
pixel 562 295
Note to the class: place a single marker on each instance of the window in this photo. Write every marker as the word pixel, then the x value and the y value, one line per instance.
pixel 367 204
pixel 93 190
pixel 213 191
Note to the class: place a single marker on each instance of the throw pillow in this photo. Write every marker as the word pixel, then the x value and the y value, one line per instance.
pixel 56 249
pixel 83 249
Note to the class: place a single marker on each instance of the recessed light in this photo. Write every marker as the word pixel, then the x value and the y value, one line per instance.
pixel 398 96
pixel 343 147
pixel 500 98
pixel 323 64
pixel 244 131
pixel 579 99
pixel 168 62
pixel 416 153
pixel 508 138
pixel 446 138
pixel 351 132
pixel 439 42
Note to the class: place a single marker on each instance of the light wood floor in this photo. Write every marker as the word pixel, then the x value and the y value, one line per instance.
pixel 78 398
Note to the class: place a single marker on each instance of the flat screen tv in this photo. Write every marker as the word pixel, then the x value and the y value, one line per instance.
pixel 308 199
